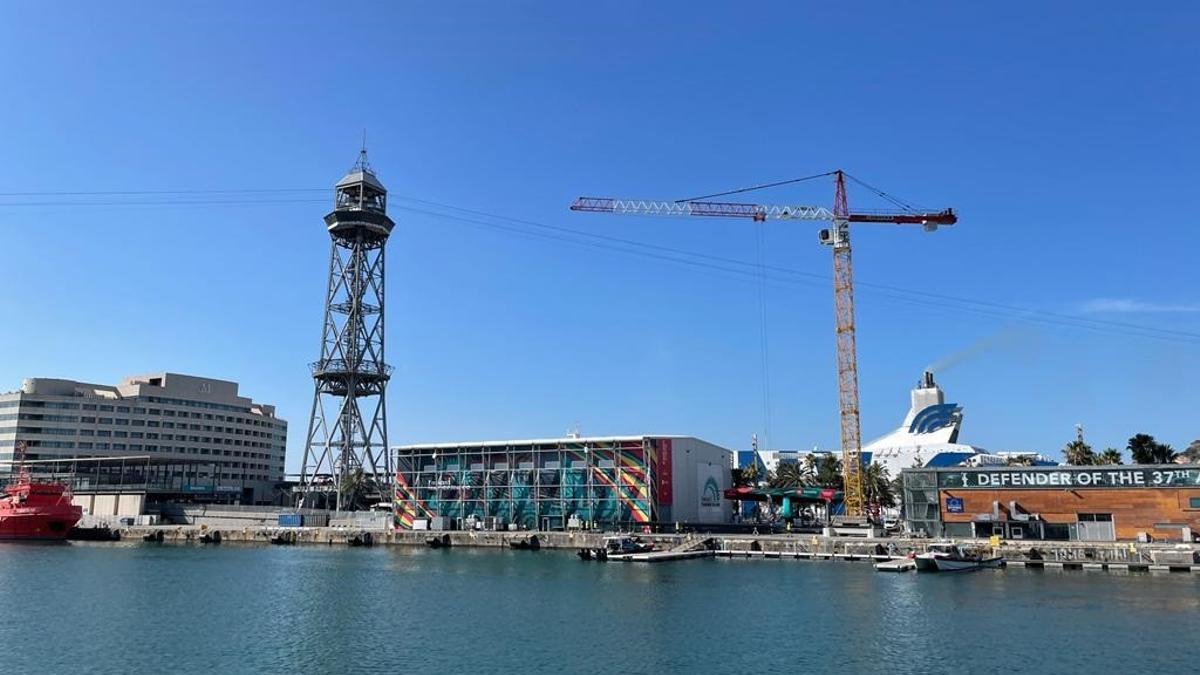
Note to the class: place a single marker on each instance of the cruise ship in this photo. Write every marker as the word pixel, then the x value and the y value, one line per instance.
pixel 928 436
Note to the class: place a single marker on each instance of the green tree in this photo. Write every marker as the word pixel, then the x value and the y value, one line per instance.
pixel 1018 460
pixel 829 471
pixel 1078 453
pixel 1110 456
pixel 1163 453
pixel 878 490
pixel 1193 452
pixel 1141 448
pixel 789 474
pixel 746 476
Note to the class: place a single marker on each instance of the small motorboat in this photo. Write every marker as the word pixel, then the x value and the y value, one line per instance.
pixel 624 543
pixel 530 543
pixel 210 538
pixel 156 536
pixel 955 558
pixel 284 539
pixel 584 553
pixel 924 561
pixel 438 542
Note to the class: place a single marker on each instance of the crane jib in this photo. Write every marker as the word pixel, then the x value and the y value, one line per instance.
pixel 701 208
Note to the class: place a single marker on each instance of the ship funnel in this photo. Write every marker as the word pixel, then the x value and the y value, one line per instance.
pixel 927 380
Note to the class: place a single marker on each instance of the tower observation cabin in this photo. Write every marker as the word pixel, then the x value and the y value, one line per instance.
pixel 360 207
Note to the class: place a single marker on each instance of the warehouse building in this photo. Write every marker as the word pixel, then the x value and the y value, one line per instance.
pixel 632 482
pixel 1082 503
pixel 196 424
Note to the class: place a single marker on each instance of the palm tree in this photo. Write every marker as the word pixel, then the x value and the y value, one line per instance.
pixel 1163 453
pixel 1141 448
pixel 746 476
pixel 789 474
pixel 829 471
pixel 1079 453
pixel 878 489
pixel 1109 456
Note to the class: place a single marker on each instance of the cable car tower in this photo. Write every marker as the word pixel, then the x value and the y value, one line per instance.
pixel 346 459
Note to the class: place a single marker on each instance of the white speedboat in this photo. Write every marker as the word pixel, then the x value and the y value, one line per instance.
pixel 955 558
pixel 926 561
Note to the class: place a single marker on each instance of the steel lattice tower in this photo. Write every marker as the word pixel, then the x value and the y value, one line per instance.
pixel 346 453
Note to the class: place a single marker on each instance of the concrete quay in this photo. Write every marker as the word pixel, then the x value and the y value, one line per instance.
pixel 1117 557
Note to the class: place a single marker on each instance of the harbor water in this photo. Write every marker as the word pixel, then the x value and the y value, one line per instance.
pixel 121 608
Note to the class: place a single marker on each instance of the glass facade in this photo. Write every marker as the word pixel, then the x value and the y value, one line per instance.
pixel 538 485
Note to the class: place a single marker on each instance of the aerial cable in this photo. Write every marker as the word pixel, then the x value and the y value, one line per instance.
pixel 764 186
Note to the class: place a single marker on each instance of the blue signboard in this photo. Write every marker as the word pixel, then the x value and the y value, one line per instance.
pixel 954 505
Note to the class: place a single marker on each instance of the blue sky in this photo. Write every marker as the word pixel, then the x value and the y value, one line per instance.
pixel 1065 137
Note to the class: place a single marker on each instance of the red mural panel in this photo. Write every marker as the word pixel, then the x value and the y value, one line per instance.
pixel 662 471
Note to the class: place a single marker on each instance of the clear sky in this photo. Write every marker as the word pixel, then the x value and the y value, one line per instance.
pixel 1066 137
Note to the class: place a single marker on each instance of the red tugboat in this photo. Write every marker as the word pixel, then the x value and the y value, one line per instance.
pixel 32 509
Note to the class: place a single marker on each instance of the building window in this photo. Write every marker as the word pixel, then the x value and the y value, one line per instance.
pixel 89 406
pixel 122 422
pixel 1095 517
pixel 106 408
pixel 123 409
pixel 106 420
pixel 1194 502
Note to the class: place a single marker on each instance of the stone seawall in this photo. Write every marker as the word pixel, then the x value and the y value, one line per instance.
pixel 1033 553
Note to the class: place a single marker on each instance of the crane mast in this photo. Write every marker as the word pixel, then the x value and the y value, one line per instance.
pixel 838 238
pixel 847 353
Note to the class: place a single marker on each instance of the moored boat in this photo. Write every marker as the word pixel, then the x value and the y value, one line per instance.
pixel 956 558
pixel 625 543
pixel 925 561
pixel 36 509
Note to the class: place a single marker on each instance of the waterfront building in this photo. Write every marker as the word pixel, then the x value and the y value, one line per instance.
pixel 187 422
pixel 1085 503
pixel 630 482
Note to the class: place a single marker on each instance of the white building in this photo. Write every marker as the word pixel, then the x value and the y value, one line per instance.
pixel 166 416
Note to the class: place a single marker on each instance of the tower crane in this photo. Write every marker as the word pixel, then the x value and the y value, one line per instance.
pixel 837 237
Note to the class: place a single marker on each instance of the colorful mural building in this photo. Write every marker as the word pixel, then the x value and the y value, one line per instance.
pixel 628 482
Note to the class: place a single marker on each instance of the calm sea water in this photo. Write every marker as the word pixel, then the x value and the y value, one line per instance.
pixel 106 608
